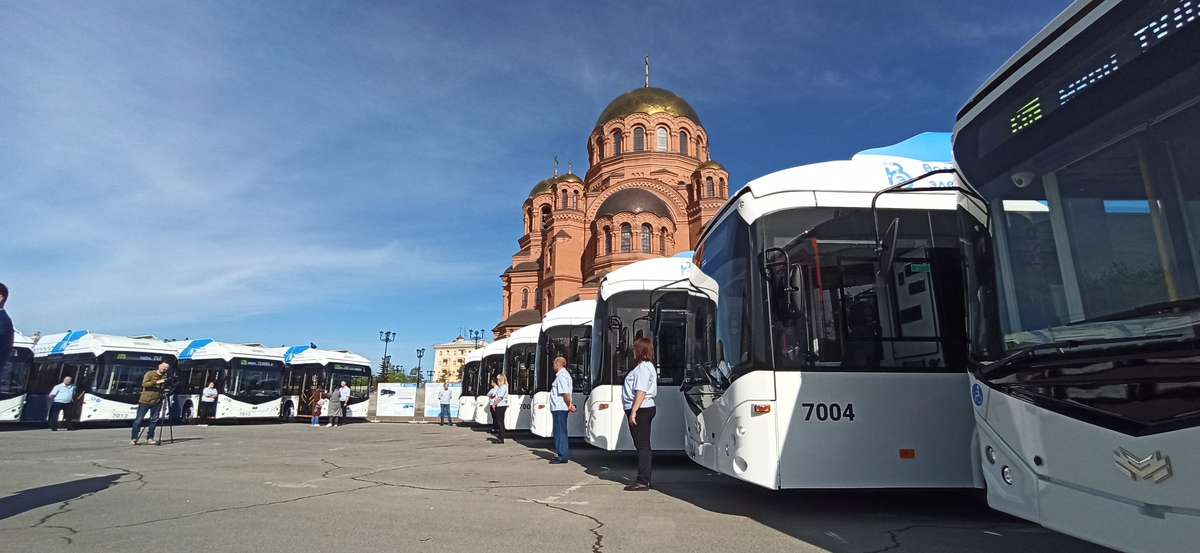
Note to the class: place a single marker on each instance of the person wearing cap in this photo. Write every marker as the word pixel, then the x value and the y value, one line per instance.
pixel 637 398
pixel 561 406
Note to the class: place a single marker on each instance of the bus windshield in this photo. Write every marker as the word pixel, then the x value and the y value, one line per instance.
pixel 14 373
pixel 254 378
pixel 117 377
pixel 625 317
pixel 492 366
pixel 520 368
pixel 470 377
pixel 832 307
pixel 1097 236
pixel 557 342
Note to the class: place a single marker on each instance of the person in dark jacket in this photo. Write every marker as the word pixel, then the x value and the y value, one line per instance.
pixel 6 327
pixel 152 383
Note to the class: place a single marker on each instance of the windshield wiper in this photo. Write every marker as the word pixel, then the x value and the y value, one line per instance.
pixel 1144 310
pixel 997 369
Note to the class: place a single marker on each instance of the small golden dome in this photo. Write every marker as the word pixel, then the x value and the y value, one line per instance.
pixel 649 101
pixel 542 187
pixel 569 177
pixel 710 164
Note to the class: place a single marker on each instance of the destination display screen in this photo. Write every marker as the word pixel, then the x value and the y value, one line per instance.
pixel 359 369
pixel 137 357
pixel 258 363
pixel 1138 35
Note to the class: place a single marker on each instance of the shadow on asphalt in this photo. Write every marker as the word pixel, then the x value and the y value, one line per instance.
pixel 33 498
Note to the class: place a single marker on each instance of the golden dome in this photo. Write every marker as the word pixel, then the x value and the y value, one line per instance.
pixel 545 186
pixel 710 164
pixel 649 101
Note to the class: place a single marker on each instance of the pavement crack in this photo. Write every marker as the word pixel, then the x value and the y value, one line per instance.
pixel 141 478
pixel 598 545
pixel 894 535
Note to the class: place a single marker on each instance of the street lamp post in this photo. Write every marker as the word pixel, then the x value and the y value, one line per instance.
pixel 420 354
pixel 386 337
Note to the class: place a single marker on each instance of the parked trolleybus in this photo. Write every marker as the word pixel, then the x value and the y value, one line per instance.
pixel 645 299
pixel 308 371
pixel 107 372
pixel 566 332
pixel 1083 263
pixel 520 362
pixel 491 365
pixel 248 378
pixel 14 375
pixel 470 385
pixel 816 362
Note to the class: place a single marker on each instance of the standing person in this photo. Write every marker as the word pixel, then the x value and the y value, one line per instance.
pixel 152 383
pixel 444 399
pixel 491 398
pixel 344 398
pixel 560 406
pixel 208 404
pixel 637 398
pixel 7 333
pixel 62 397
pixel 318 401
pixel 335 409
pixel 500 406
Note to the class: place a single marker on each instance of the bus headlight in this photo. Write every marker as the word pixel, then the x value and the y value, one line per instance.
pixel 991 454
pixel 1006 473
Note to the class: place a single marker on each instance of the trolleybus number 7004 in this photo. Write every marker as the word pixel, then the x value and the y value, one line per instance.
pixel 831 411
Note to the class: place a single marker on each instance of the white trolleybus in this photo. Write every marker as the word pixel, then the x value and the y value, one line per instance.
pixel 491 365
pixel 470 385
pixel 248 378
pixel 645 299
pixel 817 362
pixel 1084 275
pixel 107 372
pixel 520 370
pixel 14 376
pixel 567 333
pixel 308 371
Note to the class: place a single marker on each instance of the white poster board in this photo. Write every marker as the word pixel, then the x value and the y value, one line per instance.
pixel 432 408
pixel 396 400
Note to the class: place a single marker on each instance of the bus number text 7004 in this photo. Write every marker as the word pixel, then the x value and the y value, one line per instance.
pixel 829 412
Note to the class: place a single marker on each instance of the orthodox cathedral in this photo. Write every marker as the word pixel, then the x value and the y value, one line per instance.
pixel 648 192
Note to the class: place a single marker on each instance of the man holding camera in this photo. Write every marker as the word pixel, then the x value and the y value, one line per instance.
pixel 152 385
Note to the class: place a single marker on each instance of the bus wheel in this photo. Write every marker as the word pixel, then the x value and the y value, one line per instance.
pixel 289 413
pixel 186 415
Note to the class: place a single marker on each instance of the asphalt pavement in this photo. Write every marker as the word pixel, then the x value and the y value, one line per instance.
pixel 375 487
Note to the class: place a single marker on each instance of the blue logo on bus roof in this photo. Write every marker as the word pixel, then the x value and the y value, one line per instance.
pixel 190 350
pixel 292 352
pixel 67 339
pixel 927 146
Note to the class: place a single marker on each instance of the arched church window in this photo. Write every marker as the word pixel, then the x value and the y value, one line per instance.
pixel 545 216
pixel 524 298
pixel 662 139
pixel 575 200
pixel 537 299
pixel 600 148
pixel 683 143
pixel 662 241
pixel 639 139
pixel 564 198
pixel 626 238
pixel 646 238
pixel 708 187
pixel 616 142
pixel 529 217
pixel 724 191
pixel 549 301
pixel 607 240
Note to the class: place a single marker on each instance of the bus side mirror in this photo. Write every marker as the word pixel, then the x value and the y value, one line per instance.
pixel 655 318
pixel 886 250
pixel 614 323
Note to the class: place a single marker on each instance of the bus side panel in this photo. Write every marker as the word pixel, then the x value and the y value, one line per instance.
pixel 540 422
pixel 667 431
pixel 518 415
pixel 96 408
pixel 10 409
pixel 577 421
pixel 466 408
pixel 874 430
pixel 730 438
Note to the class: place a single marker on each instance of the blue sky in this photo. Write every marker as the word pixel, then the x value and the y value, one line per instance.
pixel 287 172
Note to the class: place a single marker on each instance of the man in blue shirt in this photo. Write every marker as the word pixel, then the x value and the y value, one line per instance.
pixel 6 327
pixel 560 406
pixel 62 398
pixel 444 398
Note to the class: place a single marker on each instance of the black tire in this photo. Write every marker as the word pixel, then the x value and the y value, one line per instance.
pixel 288 414
pixel 187 415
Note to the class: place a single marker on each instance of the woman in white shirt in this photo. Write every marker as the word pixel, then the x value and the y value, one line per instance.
pixel 637 398
pixel 500 406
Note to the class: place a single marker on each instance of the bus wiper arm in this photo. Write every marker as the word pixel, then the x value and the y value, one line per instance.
pixel 998 369
pixel 1141 311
